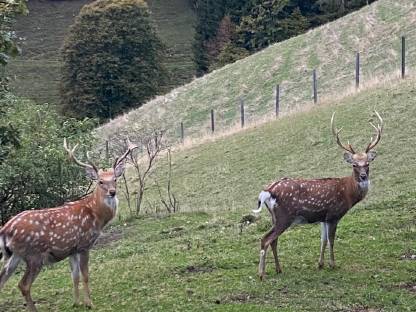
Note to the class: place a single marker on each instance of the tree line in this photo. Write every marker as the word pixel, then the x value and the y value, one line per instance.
pixel 229 30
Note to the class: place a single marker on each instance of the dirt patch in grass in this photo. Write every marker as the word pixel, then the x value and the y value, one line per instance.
pixel 409 286
pixel 109 237
pixel 239 297
pixel 242 297
pixel 363 309
pixel 408 255
pixel 173 232
pixel 195 269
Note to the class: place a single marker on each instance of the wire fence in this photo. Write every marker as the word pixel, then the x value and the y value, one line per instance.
pixel 314 89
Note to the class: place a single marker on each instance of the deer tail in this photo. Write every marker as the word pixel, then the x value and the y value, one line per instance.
pixel 263 197
pixel 5 252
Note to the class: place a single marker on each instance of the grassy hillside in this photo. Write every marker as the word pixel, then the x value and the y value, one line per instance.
pixel 207 261
pixel 374 31
pixel 37 72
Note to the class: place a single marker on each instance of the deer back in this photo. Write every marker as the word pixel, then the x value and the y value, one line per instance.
pixel 53 233
pixel 314 200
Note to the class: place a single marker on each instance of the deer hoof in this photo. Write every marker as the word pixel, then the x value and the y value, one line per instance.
pixel 88 304
pixel 278 270
pixel 320 265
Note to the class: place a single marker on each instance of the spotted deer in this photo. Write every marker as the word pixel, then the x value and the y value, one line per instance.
pixel 297 201
pixel 39 237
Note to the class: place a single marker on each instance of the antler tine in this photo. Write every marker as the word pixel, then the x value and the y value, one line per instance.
pixel 73 158
pixel 130 148
pixel 91 162
pixel 336 132
pixel 379 129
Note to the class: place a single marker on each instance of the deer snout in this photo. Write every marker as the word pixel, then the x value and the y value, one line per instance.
pixel 112 193
pixel 363 176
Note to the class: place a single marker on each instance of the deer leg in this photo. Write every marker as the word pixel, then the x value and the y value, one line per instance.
pixel 324 240
pixel 8 269
pixel 75 273
pixel 276 259
pixel 265 242
pixel 83 263
pixel 332 228
pixel 263 249
pixel 33 268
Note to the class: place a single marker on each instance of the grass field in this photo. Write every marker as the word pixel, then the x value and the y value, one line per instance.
pixel 205 259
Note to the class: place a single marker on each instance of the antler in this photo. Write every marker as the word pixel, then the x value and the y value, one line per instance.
pixel 336 132
pixel 130 147
pixel 79 163
pixel 379 129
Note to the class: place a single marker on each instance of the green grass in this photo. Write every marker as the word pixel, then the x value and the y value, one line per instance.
pixel 374 31
pixel 228 173
pixel 194 262
pixel 205 260
pixel 36 74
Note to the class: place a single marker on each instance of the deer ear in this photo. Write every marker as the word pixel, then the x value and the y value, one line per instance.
pixel 91 173
pixel 348 158
pixel 371 155
pixel 119 169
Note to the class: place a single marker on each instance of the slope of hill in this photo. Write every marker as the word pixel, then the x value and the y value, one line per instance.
pixel 374 31
pixel 37 72
pixel 226 173
pixel 208 260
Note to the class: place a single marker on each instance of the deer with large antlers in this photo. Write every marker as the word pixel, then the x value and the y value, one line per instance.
pixel 46 236
pixel 297 201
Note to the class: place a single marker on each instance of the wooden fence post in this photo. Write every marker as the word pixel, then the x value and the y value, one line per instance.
pixel 242 112
pixel 403 57
pixel 107 151
pixel 277 103
pixel 357 70
pixel 212 121
pixel 182 132
pixel 315 87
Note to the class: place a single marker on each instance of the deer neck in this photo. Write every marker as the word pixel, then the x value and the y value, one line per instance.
pixel 358 189
pixel 103 207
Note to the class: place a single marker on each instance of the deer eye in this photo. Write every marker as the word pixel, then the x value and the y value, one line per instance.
pixel 355 165
pixel 101 182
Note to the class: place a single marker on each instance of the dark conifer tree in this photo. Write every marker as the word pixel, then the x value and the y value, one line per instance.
pixel 112 60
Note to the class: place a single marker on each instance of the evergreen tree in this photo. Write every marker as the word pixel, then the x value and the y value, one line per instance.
pixel 112 60
pixel 229 54
pixel 294 25
pixel 261 27
pixel 259 23
pixel 209 14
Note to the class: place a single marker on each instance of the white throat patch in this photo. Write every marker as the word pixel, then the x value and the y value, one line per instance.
pixel 111 202
pixel 364 185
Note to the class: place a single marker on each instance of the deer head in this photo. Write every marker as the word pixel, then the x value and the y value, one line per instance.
pixel 359 161
pixel 106 178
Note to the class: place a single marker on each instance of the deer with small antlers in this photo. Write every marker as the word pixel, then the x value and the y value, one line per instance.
pixel 297 201
pixel 46 236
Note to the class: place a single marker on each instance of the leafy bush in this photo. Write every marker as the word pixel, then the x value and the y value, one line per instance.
pixel 112 60
pixel 8 11
pixel 34 172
